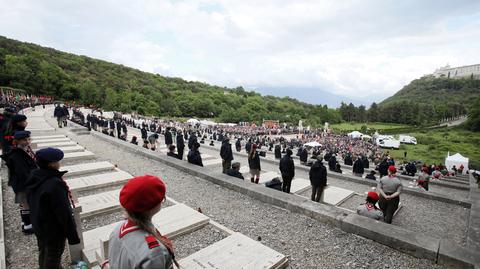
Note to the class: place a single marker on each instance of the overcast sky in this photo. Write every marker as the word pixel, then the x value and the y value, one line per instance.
pixel 359 49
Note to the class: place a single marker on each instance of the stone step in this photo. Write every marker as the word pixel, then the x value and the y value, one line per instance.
pixel 87 168
pixel 75 148
pixel 82 155
pixel 50 140
pixel 54 144
pixel 48 137
pixel 100 203
pixel 211 162
pixel 86 183
pixel 171 221
pixel 235 251
pixel 335 195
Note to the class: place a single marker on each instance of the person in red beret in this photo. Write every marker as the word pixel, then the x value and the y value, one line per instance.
pixel 135 242
pixel 389 188
pixel 369 209
pixel 424 177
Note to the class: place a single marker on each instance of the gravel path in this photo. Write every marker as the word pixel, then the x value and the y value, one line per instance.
pixel 418 213
pixel 307 243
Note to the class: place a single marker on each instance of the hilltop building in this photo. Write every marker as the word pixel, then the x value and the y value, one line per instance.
pixel 458 72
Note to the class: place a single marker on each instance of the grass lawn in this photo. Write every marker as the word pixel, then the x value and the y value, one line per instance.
pixel 347 126
pixel 433 146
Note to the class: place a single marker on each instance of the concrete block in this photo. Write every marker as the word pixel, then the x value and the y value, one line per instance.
pixel 86 168
pixel 100 203
pixel 414 243
pixel 235 251
pixel 451 255
pixel 82 155
pixel 335 195
pixel 98 181
pixel 54 144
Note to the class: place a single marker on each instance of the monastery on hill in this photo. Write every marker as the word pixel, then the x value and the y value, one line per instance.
pixel 458 72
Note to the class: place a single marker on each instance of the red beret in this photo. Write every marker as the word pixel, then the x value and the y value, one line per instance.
pixel 425 169
pixel 373 195
pixel 392 169
pixel 142 193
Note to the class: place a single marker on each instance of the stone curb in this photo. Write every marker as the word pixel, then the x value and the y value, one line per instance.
pixel 422 246
pixel 439 197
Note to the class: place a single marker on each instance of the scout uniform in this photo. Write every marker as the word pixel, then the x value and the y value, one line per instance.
pixel 389 184
pixel 369 209
pixel 130 246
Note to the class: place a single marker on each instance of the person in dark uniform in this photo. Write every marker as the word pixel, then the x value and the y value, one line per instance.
pixel 226 154
pixel 318 179
pixel 358 169
pixel 254 164
pixel 192 140
pixel 118 126
pixel 248 146
pixel 20 161
pixel 180 145
pixel 287 169
pixel 144 133
pixel 332 162
pixel 66 114
pixel 168 137
pixel 238 145
pixel 390 188
pixel 348 159
pixel 18 122
pixel 51 208
pixel 304 155
pixel 278 152
pixel 366 163
pixel 4 122
pixel 235 171
pixel 383 168
pixel 371 175
pixel 171 151
pixel 194 156
pixel 59 113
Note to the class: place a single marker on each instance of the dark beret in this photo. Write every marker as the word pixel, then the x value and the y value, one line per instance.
pixel 50 154
pixel 21 134
pixel 18 118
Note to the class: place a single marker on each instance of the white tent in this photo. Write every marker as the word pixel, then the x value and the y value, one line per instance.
pixel 192 121
pixel 207 123
pixel 355 134
pixel 457 160
pixel 313 144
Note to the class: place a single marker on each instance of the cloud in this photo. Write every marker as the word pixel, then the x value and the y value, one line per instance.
pixel 358 48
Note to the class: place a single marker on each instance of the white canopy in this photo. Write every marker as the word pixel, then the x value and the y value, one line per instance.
pixel 355 134
pixel 457 160
pixel 313 144
pixel 192 121
pixel 207 123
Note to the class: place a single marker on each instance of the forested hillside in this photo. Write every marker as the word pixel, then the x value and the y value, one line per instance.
pixel 89 81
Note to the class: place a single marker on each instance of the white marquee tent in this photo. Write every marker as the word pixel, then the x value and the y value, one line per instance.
pixel 457 160
pixel 355 134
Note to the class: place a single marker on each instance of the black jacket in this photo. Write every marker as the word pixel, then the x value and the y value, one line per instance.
pixel 287 167
pixel 278 152
pixel 238 145
pixel 226 151
pixel 194 157
pixel 304 155
pixel 332 162
pixel 318 174
pixel 168 138
pixel 383 168
pixel 20 165
pixel 254 163
pixel 234 173
pixel 144 133
pixel 180 141
pixel 58 112
pixel 50 209
pixel 172 154
pixel 191 140
pixel 358 166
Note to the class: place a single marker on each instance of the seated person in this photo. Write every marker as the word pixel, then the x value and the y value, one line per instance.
pixel 422 184
pixel 235 171
pixel 436 174
pixel 337 169
pixel 371 175
pixel 424 177
pixel 171 151
pixel 211 143
pixel 134 140
pixel 369 209
pixel 275 183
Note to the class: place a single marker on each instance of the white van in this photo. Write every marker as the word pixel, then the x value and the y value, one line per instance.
pixel 406 139
pixel 388 142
